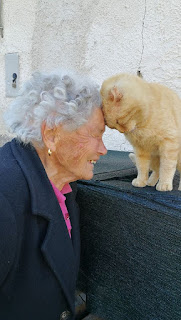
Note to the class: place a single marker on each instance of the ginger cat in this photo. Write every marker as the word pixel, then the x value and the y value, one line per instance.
pixel 149 115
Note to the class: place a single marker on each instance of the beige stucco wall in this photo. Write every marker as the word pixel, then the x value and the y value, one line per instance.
pixel 97 37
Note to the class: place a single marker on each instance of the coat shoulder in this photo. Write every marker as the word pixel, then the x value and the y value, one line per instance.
pixel 12 179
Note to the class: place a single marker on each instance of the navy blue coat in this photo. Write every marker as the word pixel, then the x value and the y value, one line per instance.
pixel 38 260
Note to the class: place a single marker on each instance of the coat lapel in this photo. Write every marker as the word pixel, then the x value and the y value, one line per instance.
pixel 60 252
pixel 61 258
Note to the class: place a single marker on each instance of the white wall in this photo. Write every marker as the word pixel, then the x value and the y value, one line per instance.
pixel 18 23
pixel 97 37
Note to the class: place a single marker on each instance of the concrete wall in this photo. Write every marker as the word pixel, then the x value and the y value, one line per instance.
pixel 18 19
pixel 97 37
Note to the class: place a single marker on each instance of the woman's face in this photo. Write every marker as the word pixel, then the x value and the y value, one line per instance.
pixel 77 151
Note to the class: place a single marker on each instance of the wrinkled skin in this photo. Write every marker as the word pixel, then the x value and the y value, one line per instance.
pixel 72 151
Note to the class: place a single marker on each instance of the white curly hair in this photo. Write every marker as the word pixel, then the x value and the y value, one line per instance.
pixel 56 97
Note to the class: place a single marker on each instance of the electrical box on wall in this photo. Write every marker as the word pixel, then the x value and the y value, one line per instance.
pixel 12 74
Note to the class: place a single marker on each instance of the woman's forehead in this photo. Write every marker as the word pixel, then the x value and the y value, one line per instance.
pixel 94 125
pixel 95 122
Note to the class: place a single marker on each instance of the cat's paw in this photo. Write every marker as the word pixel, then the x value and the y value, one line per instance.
pixel 153 179
pixel 138 183
pixel 164 186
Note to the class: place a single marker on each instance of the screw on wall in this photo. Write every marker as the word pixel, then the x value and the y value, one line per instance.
pixel 139 74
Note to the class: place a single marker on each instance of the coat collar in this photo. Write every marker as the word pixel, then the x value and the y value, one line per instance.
pixel 60 252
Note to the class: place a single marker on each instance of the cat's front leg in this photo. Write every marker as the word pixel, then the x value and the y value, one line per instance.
pixel 153 179
pixel 142 164
pixel 167 171
pixel 168 163
pixel 154 166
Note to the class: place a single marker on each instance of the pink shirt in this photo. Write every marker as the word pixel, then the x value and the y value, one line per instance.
pixel 61 199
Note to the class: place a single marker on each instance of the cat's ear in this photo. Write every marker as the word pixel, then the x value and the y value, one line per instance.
pixel 115 95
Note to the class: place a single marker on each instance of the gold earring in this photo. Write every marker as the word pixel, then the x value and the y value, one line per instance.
pixel 49 152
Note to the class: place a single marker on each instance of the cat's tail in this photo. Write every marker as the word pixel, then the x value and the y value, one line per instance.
pixel 132 157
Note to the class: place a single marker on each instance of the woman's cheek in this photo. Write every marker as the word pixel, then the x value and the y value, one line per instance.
pixel 79 152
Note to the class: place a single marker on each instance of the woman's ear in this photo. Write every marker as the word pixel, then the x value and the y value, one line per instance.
pixel 49 136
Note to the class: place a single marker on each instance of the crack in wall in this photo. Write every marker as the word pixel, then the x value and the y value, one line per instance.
pixel 142 39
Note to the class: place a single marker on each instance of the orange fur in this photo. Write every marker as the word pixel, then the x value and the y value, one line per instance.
pixel 149 115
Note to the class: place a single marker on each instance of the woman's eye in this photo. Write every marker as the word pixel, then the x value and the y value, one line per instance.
pixel 97 136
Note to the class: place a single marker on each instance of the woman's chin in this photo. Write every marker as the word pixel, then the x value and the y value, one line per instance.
pixel 88 175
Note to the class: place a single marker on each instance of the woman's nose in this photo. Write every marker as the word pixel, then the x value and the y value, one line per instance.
pixel 102 149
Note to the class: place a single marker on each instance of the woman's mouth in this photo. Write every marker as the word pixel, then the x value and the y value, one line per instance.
pixel 93 161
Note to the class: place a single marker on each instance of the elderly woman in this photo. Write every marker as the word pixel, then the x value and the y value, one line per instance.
pixel 58 124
